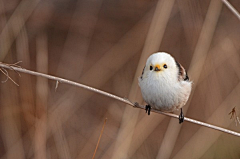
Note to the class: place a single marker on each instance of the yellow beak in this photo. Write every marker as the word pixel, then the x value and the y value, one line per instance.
pixel 157 68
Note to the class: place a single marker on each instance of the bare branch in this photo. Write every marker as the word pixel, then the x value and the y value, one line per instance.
pixel 126 101
pixel 4 70
pixel 235 12
pixel 15 65
pixel 8 77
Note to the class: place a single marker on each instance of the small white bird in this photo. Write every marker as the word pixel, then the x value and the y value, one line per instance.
pixel 164 84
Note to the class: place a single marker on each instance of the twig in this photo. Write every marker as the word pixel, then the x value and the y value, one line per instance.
pixel 5 72
pixel 234 116
pixel 126 101
pixel 232 8
pixel 15 65
pixel 99 138
pixel 8 77
pixel 56 86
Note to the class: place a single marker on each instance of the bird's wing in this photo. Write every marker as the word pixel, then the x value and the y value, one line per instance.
pixel 182 73
pixel 142 72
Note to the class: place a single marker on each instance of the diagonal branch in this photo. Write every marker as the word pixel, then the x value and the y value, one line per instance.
pixel 126 101
pixel 235 12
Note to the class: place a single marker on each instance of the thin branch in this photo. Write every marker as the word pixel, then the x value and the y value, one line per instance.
pixel 99 138
pixel 234 116
pixel 235 12
pixel 56 86
pixel 5 72
pixel 8 77
pixel 15 65
pixel 126 101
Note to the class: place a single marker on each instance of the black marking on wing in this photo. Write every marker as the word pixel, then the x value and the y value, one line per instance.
pixel 182 73
pixel 179 68
pixel 143 72
pixel 186 76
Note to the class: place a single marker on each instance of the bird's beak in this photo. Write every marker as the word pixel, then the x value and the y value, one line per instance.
pixel 157 68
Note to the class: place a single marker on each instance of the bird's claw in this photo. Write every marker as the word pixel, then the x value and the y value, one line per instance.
pixel 148 109
pixel 181 117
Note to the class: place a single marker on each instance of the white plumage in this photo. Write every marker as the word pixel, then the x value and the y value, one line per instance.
pixel 164 83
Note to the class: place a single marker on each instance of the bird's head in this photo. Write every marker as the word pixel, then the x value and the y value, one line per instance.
pixel 161 65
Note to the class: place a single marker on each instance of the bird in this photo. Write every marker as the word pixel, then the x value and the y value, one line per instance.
pixel 164 84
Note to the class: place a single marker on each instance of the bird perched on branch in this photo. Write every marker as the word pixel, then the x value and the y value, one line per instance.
pixel 164 84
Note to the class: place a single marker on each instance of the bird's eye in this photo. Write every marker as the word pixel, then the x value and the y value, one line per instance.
pixel 165 66
pixel 151 67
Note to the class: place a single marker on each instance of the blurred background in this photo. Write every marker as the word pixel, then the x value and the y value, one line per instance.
pixel 104 44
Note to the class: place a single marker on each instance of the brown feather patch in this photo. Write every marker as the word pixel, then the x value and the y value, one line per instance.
pixel 182 73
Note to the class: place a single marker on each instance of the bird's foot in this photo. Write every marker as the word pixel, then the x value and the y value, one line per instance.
pixel 181 117
pixel 148 109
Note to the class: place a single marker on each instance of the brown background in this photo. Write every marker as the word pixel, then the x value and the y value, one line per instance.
pixel 104 44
